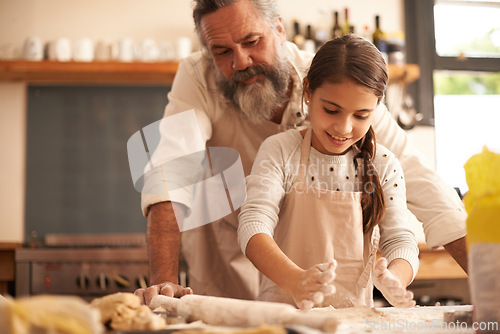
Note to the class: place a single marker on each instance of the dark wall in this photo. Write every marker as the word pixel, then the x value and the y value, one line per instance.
pixel 78 177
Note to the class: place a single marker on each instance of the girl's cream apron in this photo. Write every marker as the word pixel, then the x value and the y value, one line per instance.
pixel 318 225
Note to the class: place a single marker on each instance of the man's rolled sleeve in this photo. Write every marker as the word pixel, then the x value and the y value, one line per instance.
pixel 445 228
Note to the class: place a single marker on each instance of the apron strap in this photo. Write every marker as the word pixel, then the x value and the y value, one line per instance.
pixel 366 274
pixel 304 156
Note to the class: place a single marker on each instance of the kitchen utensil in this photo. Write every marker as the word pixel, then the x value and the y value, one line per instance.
pixel 83 50
pixel 8 51
pixel 33 49
pixel 167 51
pixel 408 116
pixel 123 50
pixel 102 51
pixel 59 49
pixel 147 50
pixel 220 311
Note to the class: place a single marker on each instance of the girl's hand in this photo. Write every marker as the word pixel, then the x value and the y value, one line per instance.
pixel 391 287
pixel 314 284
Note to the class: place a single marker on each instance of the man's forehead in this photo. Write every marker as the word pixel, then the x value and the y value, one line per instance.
pixel 232 24
pixel 237 36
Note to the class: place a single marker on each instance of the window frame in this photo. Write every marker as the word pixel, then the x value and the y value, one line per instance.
pixel 421 50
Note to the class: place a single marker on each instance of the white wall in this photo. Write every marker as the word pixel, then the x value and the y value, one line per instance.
pixel 98 19
pixel 111 20
pixel 12 166
pixel 162 20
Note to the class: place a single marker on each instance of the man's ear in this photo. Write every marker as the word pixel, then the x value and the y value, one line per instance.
pixel 280 28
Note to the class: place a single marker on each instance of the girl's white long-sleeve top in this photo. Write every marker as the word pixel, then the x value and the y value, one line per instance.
pixel 275 169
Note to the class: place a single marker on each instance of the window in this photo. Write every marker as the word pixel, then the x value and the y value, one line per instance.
pixel 457 45
pixel 467 28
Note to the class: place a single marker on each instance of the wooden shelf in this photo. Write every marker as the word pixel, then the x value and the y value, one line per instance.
pixel 403 74
pixel 93 72
pixel 126 73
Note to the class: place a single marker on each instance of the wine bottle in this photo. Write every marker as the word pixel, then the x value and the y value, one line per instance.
pixel 336 30
pixel 379 38
pixel 346 27
pixel 309 43
pixel 298 38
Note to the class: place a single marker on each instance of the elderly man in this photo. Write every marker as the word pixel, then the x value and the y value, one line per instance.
pixel 245 86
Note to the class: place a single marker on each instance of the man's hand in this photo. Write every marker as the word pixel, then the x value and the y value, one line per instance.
pixel 163 243
pixel 314 284
pixel 166 289
pixel 391 287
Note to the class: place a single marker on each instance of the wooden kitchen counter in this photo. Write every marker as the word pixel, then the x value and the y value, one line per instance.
pixel 437 264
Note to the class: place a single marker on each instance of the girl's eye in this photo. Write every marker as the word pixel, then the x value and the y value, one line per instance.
pixel 329 111
pixel 361 117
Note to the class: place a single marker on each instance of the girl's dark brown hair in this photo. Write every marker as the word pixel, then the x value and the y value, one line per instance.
pixel 354 58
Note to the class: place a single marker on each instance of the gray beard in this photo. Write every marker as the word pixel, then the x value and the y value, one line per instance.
pixel 259 100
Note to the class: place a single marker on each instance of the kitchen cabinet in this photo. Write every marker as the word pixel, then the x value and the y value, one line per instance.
pixel 121 72
pixel 7 265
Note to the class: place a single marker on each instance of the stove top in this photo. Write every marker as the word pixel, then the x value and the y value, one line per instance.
pixel 92 266
pixel 94 240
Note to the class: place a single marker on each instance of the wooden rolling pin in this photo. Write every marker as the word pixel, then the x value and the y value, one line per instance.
pixel 219 311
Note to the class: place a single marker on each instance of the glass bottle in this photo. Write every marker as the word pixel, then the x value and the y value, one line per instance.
pixel 346 27
pixel 379 38
pixel 336 30
pixel 298 38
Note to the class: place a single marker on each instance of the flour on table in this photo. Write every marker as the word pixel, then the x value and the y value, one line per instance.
pixel 352 314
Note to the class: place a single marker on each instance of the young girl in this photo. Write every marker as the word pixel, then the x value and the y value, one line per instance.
pixel 320 200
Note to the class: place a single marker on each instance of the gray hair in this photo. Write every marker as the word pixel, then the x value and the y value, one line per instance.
pixel 267 8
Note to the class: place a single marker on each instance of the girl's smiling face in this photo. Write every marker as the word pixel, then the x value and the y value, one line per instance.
pixel 340 114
